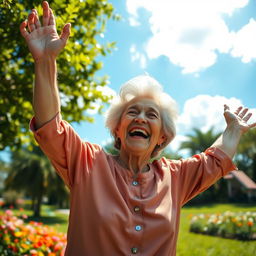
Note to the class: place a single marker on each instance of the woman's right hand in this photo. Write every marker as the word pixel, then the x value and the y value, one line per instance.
pixel 43 40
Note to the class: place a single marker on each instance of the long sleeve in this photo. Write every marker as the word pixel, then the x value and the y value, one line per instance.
pixel 197 173
pixel 70 156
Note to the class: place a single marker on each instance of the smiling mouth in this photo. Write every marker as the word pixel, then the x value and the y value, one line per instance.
pixel 139 133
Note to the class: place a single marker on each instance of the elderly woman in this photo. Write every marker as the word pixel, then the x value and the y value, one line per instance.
pixel 125 204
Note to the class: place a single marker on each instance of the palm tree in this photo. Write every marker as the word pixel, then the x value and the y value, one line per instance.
pixel 199 141
pixel 246 154
pixel 32 173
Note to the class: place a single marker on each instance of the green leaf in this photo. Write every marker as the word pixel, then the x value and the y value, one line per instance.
pixel 77 64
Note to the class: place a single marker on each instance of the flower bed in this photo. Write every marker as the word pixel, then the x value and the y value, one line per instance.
pixel 228 225
pixel 32 239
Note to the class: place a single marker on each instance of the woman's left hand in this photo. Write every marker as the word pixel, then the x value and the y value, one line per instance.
pixel 239 118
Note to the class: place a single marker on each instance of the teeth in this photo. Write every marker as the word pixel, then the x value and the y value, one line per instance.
pixel 139 130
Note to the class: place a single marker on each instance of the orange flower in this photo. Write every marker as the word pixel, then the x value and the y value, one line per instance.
pixel 249 223
pixel 25 246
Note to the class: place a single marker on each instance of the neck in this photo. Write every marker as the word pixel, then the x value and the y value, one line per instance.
pixel 136 163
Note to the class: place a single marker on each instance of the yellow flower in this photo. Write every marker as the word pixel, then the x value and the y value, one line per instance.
pixel 18 234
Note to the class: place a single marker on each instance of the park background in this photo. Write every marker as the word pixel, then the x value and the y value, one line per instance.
pixel 202 52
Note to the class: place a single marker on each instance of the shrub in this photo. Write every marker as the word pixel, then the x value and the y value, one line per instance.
pixel 11 198
pixel 32 239
pixel 229 225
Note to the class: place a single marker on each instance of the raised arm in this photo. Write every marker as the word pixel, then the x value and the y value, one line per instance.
pixel 236 126
pixel 44 44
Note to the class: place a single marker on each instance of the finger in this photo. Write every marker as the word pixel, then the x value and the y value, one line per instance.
pixel 51 19
pixel 226 107
pixel 242 114
pixel 238 110
pixel 23 30
pixel 247 117
pixel 46 13
pixel 36 19
pixel 65 33
pixel 31 21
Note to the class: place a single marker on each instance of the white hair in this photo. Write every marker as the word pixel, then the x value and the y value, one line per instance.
pixel 145 86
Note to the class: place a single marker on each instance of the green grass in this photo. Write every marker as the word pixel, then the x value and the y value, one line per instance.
pixel 190 244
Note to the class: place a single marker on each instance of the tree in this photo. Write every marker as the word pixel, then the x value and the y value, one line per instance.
pixel 246 154
pixel 77 64
pixel 32 173
pixel 4 168
pixel 170 154
pixel 199 141
pixel 110 148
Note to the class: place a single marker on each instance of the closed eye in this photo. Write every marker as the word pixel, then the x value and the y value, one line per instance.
pixel 152 115
pixel 132 112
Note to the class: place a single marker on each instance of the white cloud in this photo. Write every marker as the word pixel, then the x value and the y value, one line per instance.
pixel 204 112
pixel 106 90
pixel 106 142
pixel 244 42
pixel 95 106
pixel 191 33
pixel 175 144
pixel 137 56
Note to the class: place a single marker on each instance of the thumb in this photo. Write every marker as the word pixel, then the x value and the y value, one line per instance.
pixel 226 107
pixel 65 33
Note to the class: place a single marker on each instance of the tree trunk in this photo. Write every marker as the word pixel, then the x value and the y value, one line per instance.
pixel 32 203
pixel 37 206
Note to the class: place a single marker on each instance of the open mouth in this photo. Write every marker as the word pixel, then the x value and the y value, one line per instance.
pixel 138 133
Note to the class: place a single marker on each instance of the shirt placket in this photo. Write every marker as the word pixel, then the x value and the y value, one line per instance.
pixel 136 209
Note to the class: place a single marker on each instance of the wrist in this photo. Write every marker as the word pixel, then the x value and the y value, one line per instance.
pixel 234 128
pixel 45 59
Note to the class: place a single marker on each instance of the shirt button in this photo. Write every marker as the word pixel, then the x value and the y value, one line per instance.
pixel 138 228
pixel 134 250
pixel 135 183
pixel 136 208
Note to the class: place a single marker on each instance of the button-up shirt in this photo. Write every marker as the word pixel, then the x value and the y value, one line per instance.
pixel 112 211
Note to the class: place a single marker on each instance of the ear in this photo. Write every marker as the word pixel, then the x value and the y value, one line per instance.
pixel 162 139
pixel 117 131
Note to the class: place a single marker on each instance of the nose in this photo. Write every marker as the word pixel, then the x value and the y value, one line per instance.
pixel 140 118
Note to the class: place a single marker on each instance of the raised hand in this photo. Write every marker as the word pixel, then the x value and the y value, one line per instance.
pixel 43 40
pixel 239 118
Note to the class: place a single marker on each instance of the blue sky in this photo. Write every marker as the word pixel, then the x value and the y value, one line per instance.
pixel 203 52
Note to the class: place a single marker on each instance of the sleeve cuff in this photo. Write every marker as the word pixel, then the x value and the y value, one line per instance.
pixel 226 161
pixel 48 130
pixel 51 123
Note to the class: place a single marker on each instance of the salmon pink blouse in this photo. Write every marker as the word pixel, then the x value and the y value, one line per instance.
pixel 112 211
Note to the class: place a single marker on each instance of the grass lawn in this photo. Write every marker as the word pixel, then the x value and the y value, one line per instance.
pixel 190 244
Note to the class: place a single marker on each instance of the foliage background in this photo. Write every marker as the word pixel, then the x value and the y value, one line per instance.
pixel 78 64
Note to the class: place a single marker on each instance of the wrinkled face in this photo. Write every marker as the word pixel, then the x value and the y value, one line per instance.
pixel 140 128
